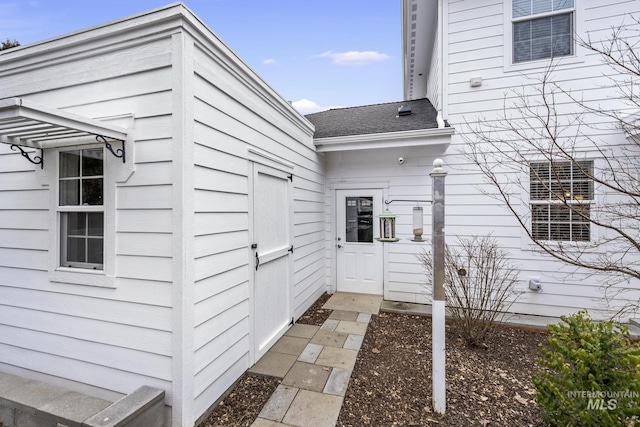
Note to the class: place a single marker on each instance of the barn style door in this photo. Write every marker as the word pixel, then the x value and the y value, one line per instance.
pixel 272 261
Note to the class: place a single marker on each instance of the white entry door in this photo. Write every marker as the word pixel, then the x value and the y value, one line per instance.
pixel 359 254
pixel 272 249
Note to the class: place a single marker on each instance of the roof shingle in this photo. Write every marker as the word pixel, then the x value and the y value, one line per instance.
pixel 371 119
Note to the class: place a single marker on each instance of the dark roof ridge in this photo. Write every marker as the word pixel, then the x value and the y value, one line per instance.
pixel 367 105
pixel 374 118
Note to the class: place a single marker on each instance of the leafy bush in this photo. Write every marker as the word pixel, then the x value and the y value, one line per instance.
pixel 479 284
pixel 590 375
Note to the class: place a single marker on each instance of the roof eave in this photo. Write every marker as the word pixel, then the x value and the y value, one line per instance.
pixel 410 138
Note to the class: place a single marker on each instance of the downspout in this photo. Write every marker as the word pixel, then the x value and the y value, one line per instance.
pixel 441 111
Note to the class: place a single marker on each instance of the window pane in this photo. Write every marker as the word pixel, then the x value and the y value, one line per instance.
pixel 69 164
pixel 96 224
pixel 92 191
pixel 94 253
pixel 562 4
pixel 540 6
pixel 92 162
pixel 70 192
pixel 75 249
pixel 76 224
pixel 359 219
pixel 521 8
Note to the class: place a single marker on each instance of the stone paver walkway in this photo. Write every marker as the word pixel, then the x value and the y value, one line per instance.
pixel 315 364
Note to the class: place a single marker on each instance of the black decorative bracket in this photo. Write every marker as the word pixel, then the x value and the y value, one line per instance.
pixel 119 153
pixel 388 202
pixel 37 160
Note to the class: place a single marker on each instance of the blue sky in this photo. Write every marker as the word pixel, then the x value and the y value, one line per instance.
pixel 315 53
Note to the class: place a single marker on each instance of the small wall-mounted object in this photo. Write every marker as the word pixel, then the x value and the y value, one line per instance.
pixel 534 284
pixel 475 81
pixel 401 160
pixel 387 227
pixel 418 224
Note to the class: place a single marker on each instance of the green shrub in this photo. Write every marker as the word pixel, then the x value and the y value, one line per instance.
pixel 590 374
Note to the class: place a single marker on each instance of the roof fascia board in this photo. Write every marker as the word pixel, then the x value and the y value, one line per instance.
pixel 243 72
pixel 418 41
pixel 150 25
pixel 412 138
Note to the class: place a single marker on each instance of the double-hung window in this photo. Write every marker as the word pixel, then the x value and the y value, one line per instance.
pixel 542 29
pixel 81 208
pixel 561 194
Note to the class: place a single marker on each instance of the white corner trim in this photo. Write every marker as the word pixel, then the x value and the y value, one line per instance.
pixel 421 137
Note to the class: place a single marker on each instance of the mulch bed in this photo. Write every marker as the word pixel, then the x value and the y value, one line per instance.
pixel 486 386
pixel 391 383
pixel 316 315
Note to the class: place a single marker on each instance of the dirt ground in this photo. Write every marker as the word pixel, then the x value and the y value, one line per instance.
pixel 391 382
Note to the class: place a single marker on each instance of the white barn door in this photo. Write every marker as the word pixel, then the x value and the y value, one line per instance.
pixel 272 261
pixel 359 255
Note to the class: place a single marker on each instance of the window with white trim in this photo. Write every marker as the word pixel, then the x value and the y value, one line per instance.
pixel 542 29
pixel 81 208
pixel 561 194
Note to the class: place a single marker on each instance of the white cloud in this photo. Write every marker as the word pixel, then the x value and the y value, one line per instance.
pixel 305 106
pixel 354 58
pixel 269 61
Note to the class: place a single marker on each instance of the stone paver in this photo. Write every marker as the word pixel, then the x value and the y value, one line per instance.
pixel 261 422
pixel 337 357
pixel 314 409
pixel 302 331
pixel 310 353
pixel 337 382
pixel 278 404
pixel 363 318
pixel 351 327
pixel 330 338
pixel 315 364
pixel 360 303
pixel 307 376
pixel 329 324
pixel 343 315
pixel 274 364
pixel 290 345
pixel 353 342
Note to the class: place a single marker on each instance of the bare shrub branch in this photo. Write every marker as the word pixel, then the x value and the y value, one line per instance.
pixel 479 284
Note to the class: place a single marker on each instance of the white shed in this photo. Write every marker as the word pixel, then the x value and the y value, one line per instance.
pixel 172 226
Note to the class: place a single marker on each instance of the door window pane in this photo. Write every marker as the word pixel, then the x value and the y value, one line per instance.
pixel 359 219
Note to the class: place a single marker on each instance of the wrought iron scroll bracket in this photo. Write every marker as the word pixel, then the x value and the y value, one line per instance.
pixel 119 152
pixel 37 160
pixel 388 202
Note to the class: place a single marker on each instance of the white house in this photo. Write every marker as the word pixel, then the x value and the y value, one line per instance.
pixel 173 226
pixel 461 57
pixel 165 215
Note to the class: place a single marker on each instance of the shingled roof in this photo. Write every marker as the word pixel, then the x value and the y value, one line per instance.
pixel 371 119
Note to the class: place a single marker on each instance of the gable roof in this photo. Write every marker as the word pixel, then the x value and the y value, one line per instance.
pixel 373 119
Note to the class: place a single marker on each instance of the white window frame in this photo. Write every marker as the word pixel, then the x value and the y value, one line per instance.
pixel 559 202
pixel 578 32
pixel 77 275
pixel 527 243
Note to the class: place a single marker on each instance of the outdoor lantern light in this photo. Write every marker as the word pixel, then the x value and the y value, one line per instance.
pixel 417 224
pixel 387 227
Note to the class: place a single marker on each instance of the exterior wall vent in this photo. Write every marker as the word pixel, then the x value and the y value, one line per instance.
pixel 404 110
